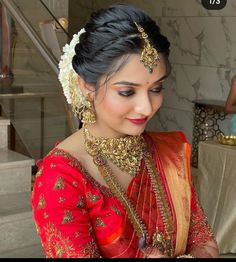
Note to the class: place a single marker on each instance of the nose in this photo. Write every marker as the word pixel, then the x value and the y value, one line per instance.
pixel 144 105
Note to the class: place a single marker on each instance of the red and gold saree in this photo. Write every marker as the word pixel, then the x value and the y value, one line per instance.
pixel 77 217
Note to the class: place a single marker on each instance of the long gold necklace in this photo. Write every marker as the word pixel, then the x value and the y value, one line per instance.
pixel 163 242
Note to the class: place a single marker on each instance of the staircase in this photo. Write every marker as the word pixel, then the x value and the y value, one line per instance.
pixel 18 237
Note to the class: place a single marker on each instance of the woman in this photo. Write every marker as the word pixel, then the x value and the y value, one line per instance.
pixel 230 105
pixel 111 189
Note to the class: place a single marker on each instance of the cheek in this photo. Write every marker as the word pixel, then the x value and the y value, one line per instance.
pixel 112 106
pixel 157 102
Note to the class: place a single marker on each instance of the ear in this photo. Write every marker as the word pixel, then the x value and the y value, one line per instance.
pixel 86 89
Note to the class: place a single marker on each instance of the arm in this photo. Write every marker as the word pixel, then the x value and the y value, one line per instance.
pixel 201 242
pixel 60 213
pixel 230 106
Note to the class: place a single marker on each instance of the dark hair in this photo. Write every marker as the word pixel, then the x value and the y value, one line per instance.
pixel 110 35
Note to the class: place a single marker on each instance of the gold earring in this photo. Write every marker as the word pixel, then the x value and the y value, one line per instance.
pixel 88 115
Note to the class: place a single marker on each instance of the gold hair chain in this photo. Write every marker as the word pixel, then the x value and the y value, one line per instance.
pixel 149 55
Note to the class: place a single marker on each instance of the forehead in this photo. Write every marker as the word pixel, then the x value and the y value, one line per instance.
pixel 134 71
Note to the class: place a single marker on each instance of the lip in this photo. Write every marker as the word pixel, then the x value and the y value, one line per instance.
pixel 137 121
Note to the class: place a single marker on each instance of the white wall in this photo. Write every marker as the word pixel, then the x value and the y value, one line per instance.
pixel 203 51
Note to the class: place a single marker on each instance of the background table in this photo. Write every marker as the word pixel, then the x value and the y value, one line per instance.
pixel 207 114
pixel 216 186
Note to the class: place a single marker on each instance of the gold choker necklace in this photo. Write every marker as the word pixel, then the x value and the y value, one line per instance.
pixel 125 152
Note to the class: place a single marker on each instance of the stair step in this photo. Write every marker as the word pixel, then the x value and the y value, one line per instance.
pixel 9 158
pixel 4 123
pixel 17 227
pixel 33 251
pixel 13 204
pixel 15 172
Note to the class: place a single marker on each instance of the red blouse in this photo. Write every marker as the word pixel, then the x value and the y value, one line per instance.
pixel 77 217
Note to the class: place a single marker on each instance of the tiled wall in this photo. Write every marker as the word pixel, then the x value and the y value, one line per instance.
pixel 203 49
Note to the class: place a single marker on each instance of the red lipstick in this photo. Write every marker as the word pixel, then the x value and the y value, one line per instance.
pixel 137 121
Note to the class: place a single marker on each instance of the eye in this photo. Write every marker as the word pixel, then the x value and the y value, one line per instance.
pixel 126 93
pixel 157 89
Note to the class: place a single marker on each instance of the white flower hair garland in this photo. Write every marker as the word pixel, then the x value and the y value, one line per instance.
pixel 69 78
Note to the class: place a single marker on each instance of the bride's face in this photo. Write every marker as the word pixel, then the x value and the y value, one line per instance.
pixel 129 99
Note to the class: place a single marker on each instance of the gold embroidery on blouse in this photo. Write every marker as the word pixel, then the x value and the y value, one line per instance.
pixel 90 230
pixel 77 234
pixel 81 203
pixel 92 198
pixel 57 243
pixel 68 217
pixel 85 181
pixel 37 228
pixel 200 232
pixel 73 162
pixel 61 200
pixel 60 152
pixel 52 165
pixel 41 203
pixel 59 183
pixel 99 222
pixel 45 215
pixel 75 184
pixel 59 250
pixel 116 210
pixel 200 226
pixel 90 250
pixel 39 173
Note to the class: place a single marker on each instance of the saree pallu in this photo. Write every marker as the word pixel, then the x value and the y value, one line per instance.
pixel 170 154
pixel 77 217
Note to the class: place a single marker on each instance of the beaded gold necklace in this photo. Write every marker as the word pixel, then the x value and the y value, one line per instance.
pixel 163 242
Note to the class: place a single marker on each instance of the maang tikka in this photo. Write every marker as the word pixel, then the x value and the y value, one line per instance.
pixel 149 55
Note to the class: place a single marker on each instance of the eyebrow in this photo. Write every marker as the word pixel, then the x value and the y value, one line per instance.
pixel 127 83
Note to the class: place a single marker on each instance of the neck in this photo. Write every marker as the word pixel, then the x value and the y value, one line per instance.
pixel 98 131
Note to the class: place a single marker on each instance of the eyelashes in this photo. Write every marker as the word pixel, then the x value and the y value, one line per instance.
pixel 126 93
pixel 131 92
pixel 157 89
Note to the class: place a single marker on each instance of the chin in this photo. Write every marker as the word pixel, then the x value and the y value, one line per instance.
pixel 136 131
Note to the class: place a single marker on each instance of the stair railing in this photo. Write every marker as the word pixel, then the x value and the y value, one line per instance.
pixel 44 51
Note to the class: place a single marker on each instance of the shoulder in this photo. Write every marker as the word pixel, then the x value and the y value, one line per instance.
pixel 59 165
pixel 168 137
pixel 169 144
pixel 59 175
pixel 73 144
pixel 174 151
pixel 65 156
